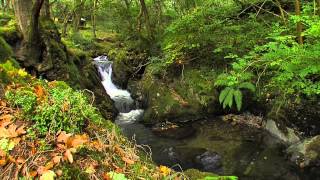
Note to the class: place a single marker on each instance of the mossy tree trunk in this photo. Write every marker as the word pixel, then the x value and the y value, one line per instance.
pixel 77 13
pixel 45 10
pixel 22 9
pixel 299 24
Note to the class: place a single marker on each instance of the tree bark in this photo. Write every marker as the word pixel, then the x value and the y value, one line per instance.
pixel 299 24
pixel 93 18
pixel 23 9
pixel 144 13
pixel 318 7
pixel 45 10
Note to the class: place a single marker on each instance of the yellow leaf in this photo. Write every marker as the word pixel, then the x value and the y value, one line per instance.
pixel 22 73
pixel 90 169
pixel 48 175
pixel 164 170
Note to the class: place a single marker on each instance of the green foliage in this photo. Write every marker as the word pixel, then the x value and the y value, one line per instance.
pixel 233 83
pixel 6 145
pixel 54 107
pixel 281 67
pixel 5 50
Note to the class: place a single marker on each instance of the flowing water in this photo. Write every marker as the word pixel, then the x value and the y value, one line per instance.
pixel 215 146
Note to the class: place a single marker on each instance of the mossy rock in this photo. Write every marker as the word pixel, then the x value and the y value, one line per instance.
pixel 5 50
pixel 10 32
pixel 178 100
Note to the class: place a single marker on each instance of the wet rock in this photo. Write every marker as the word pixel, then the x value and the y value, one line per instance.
pixel 210 161
pixel 171 130
pixel 306 153
pixel 288 138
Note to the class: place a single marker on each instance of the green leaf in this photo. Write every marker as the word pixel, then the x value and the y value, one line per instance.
pixel 224 94
pixel 238 99
pixel 247 85
pixel 229 99
pixel 117 176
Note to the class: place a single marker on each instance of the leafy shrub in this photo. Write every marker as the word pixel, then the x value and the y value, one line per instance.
pixel 54 107
pixel 284 69
pixel 233 84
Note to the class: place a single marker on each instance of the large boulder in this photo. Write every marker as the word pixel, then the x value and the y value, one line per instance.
pixel 288 137
pixel 177 100
pixel 306 153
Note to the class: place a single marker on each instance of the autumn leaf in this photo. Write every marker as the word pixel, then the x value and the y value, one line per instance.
pixel 3 162
pixel 20 130
pixel 68 156
pixel 56 159
pixel 77 140
pixel 90 169
pixel 128 161
pixel 39 91
pixel 48 175
pixel 63 137
pixel 20 160
pixel 33 173
pixel 164 170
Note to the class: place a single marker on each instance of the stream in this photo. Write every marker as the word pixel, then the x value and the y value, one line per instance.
pixel 215 146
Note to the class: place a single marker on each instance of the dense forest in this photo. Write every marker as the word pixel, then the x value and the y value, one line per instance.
pixel 160 89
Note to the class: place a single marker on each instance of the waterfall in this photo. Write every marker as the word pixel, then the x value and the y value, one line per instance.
pixel 122 98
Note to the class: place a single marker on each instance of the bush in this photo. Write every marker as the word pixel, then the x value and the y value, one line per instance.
pixel 53 106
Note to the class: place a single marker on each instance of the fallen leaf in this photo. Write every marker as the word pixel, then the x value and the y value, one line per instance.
pixel 63 137
pixel 39 91
pixel 2 153
pixel 3 162
pixel 33 173
pixel 49 165
pixel 127 160
pixel 20 130
pixel 77 140
pixel 56 159
pixel 12 130
pixel 4 133
pixel 48 175
pixel 68 155
pixel 20 160
pixel 90 169
pixel 59 172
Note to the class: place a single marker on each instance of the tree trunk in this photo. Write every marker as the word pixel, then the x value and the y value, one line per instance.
pixel 23 9
pixel 45 10
pixel 93 19
pixel 77 13
pixel 144 13
pixel 299 24
pixel 3 6
pixel 318 7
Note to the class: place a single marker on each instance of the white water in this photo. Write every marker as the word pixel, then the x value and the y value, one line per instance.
pixel 122 98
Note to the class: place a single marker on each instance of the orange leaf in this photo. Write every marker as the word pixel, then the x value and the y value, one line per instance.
pixel 4 133
pixel 106 176
pixel 12 130
pixel 33 173
pixel 2 153
pixel 49 165
pixel 3 162
pixel 59 172
pixel 20 160
pixel 20 130
pixel 39 91
pixel 68 155
pixel 56 159
pixel 128 161
pixel 63 137
pixel 77 140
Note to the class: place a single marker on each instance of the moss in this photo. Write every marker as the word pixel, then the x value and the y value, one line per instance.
pixel 5 50
pixel 72 172
pixel 10 32
pixel 196 174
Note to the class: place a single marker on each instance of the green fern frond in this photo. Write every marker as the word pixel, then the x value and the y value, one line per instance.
pixel 224 94
pixel 238 98
pixel 247 85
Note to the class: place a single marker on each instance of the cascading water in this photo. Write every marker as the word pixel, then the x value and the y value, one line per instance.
pixel 122 98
